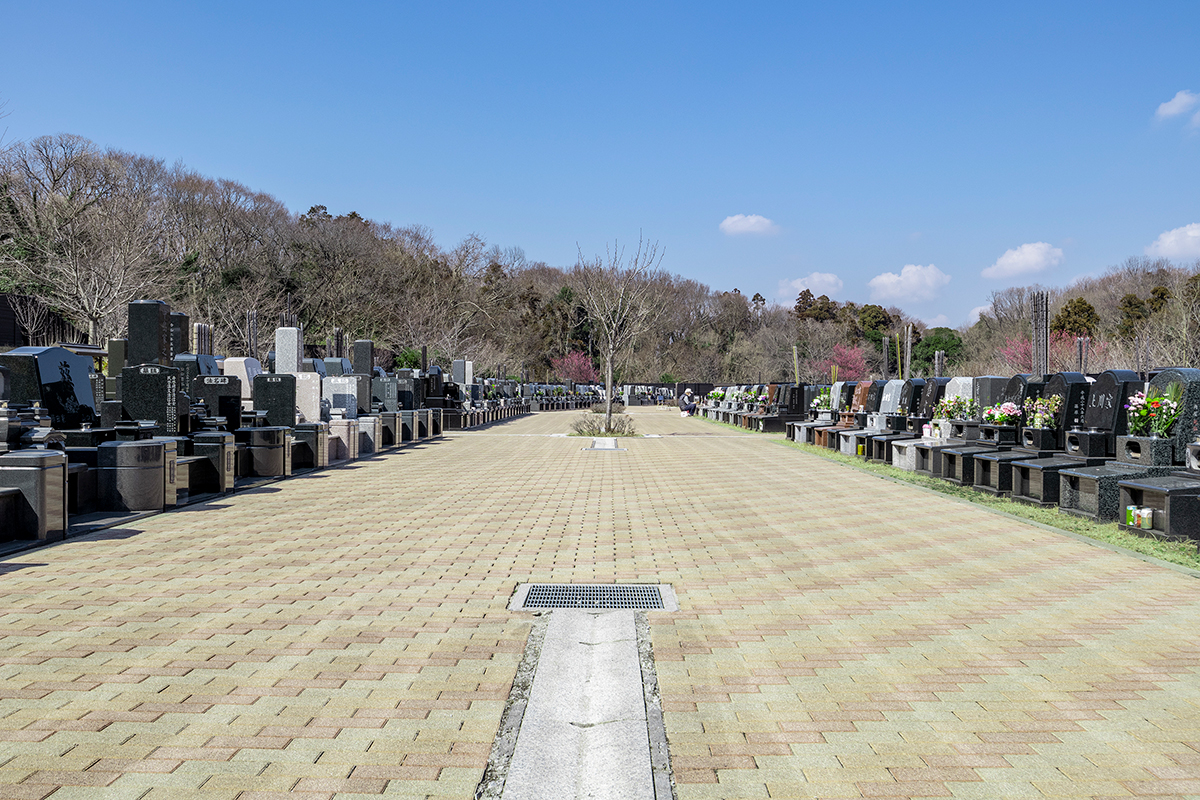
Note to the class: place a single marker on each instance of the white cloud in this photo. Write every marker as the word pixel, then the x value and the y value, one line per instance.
pixel 914 284
pixel 1178 243
pixel 1183 102
pixel 1031 257
pixel 740 224
pixel 974 314
pixel 818 283
pixel 940 321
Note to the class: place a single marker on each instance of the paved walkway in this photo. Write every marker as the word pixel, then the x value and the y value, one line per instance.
pixel 345 634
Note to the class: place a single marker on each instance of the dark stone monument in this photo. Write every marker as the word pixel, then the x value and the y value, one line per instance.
pixel 386 393
pixel 316 365
pixel 362 357
pixel 336 367
pixel 222 397
pixel 153 392
pixel 55 378
pixel 149 333
pixel 190 365
pixel 276 394
pixel 1105 418
pixel 181 333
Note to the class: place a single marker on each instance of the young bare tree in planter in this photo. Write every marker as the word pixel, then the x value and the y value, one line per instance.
pixel 622 295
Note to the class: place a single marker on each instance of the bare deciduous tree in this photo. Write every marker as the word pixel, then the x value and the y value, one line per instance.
pixel 621 298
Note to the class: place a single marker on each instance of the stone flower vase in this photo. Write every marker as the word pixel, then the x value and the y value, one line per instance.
pixel 1150 451
pixel 1039 439
pixel 998 434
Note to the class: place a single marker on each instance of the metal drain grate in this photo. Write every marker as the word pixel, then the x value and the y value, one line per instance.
pixel 650 597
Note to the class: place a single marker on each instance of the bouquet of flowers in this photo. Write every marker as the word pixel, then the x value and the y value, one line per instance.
pixel 1042 411
pixel 1002 414
pixel 716 395
pixel 956 408
pixel 822 401
pixel 1154 412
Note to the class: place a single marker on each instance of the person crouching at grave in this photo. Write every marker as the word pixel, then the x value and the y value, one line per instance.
pixel 687 406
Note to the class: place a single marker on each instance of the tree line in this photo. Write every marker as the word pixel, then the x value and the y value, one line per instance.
pixel 84 230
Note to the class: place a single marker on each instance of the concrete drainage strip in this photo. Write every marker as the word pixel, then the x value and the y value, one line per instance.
pixel 584 717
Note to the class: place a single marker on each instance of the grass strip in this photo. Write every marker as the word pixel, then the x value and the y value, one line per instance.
pixel 1182 553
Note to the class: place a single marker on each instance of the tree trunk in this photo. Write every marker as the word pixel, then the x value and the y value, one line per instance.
pixel 608 392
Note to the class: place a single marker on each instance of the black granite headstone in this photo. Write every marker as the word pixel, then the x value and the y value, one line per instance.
pixel 276 394
pixel 910 395
pixel 149 333
pixel 935 389
pixel 181 335
pixel 316 365
pixel 55 378
pixel 1107 398
pixel 362 356
pixel 222 397
pixel 335 367
pixel 386 392
pixel 154 392
pixel 191 365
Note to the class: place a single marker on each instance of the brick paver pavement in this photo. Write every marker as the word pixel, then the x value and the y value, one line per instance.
pixel 345 634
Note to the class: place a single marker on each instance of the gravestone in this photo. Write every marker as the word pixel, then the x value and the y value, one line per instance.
pixel 4 383
pixel 935 389
pixel 149 333
pixel 276 394
pixel 910 395
pixel 153 392
pixel 1017 389
pixel 1105 417
pixel 245 370
pixel 289 350
pixel 181 333
pixel 335 367
pixel 55 378
pixel 222 396
pixel 116 357
pixel 362 357
pixel 1172 448
pixel 310 397
pixel 316 365
pixel 386 392
pixel 988 390
pixel 960 387
pixel 341 391
pixel 191 365
pixel 1073 388
pixel 462 372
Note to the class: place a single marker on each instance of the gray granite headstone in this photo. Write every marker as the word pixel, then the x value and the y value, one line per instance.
pixel 289 349
pixel 889 403
pixel 342 393
pixel 245 370
pixel 309 396
pixel 960 387
pixel 462 371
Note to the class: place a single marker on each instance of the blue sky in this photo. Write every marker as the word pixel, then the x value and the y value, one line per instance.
pixel 921 155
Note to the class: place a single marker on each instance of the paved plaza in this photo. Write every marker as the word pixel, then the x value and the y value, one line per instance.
pixel 345 634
